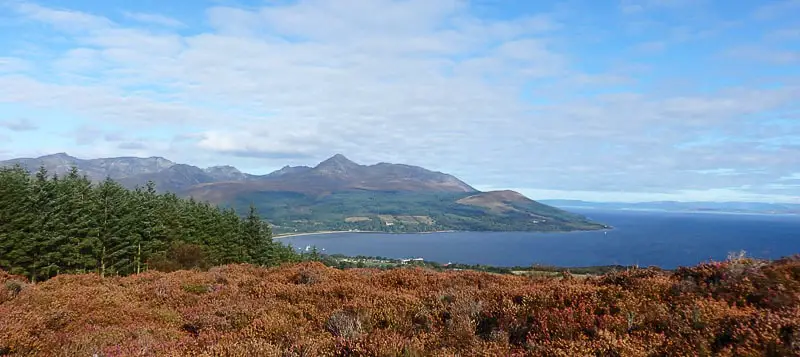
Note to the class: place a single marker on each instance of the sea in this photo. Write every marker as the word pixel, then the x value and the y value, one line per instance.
pixel 645 238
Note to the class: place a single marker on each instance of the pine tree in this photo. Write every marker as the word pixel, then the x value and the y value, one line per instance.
pixel 16 217
pixel 112 245
pixel 67 224
pixel 41 231
pixel 257 239
pixel 148 225
pixel 226 248
pixel 77 224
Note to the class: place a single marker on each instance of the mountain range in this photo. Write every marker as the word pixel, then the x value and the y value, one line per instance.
pixel 336 194
pixel 673 206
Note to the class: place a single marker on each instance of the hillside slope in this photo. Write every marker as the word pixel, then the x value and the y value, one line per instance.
pixel 336 194
pixel 737 308
pixel 403 212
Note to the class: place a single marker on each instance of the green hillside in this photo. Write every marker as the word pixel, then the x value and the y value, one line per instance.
pixel 404 212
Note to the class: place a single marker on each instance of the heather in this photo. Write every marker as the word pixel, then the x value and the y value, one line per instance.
pixel 740 307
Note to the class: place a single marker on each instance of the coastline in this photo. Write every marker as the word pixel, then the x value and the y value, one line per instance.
pixel 289 235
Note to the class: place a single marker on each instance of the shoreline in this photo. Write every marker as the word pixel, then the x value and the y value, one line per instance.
pixel 289 235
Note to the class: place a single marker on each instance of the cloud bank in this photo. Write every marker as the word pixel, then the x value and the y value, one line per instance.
pixel 640 102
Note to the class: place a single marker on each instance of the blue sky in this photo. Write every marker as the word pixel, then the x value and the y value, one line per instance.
pixel 596 100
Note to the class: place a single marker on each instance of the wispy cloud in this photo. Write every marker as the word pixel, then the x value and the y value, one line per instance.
pixel 785 34
pixel 23 124
pixel 132 145
pixel 652 47
pixel 517 99
pixel 766 55
pixel 14 65
pixel 638 6
pixel 155 19
pixel 62 19
pixel 777 8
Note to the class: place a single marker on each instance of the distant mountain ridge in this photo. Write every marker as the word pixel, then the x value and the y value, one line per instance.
pixel 338 173
pixel 335 173
pixel 133 171
pixel 674 206
pixel 335 194
pixel 96 169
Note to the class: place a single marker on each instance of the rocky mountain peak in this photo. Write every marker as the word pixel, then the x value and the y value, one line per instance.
pixel 338 164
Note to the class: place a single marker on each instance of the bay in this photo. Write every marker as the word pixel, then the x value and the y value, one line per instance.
pixel 664 239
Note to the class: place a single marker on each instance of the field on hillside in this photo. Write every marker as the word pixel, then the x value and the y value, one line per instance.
pixel 405 211
pixel 740 307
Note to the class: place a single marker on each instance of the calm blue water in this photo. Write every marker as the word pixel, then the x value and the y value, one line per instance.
pixel 664 239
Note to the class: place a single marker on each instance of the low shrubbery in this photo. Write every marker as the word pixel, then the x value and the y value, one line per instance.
pixel 741 307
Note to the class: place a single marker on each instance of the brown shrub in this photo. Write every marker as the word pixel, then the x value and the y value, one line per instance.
pixel 11 286
pixel 345 324
pixel 740 307
pixel 180 256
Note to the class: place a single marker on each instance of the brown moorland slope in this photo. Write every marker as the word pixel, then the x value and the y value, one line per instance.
pixel 741 307
pixel 496 201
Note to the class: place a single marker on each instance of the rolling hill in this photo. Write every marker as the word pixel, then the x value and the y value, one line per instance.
pixel 336 194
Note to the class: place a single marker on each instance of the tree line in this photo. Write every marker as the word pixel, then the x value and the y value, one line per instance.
pixel 52 225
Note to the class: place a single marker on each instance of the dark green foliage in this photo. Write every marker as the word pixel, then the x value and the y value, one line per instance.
pixel 180 256
pixel 51 225
pixel 257 239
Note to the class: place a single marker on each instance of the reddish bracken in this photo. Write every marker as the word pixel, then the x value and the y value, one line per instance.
pixel 734 308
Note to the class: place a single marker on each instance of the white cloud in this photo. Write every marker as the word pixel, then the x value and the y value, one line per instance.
pixel 13 65
pixel 23 124
pixel 777 8
pixel 785 34
pixel 631 7
pixel 766 55
pixel 262 143
pixel 132 145
pixel 155 19
pixel 652 47
pixel 794 176
pixel 62 19
pixel 419 82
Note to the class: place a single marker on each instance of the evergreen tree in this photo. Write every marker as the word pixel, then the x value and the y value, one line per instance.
pixel 257 239
pixel 77 224
pixel 52 225
pixel 113 245
pixel 16 216
pixel 40 239
pixel 227 248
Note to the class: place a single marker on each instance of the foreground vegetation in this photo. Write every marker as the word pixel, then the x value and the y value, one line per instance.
pixel 740 307
pixel 97 270
pixel 345 262
pixel 52 225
